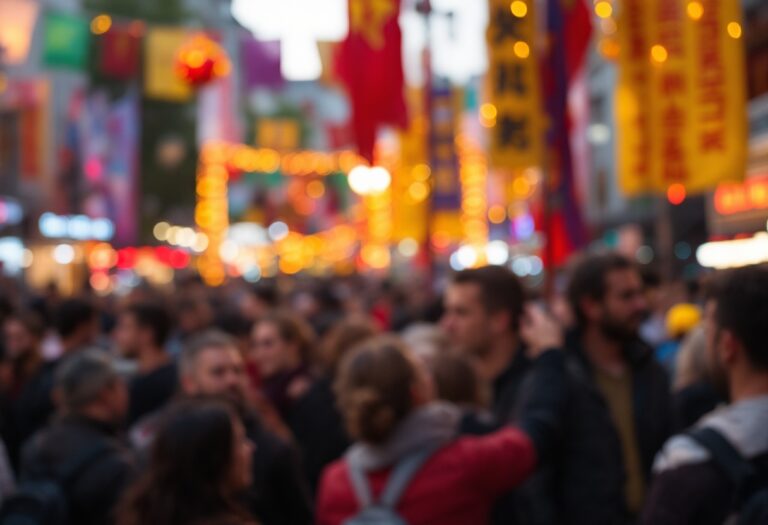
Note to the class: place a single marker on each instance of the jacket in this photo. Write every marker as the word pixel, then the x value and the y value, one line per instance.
pixel 688 486
pixel 98 486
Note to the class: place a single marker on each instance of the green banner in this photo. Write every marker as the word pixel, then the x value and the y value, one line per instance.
pixel 66 39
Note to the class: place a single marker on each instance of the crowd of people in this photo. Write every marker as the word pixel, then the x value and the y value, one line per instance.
pixel 350 400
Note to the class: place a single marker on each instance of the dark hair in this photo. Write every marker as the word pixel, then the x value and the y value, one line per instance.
pixel 71 314
pixel 588 279
pixel 341 338
pixel 455 379
pixel 741 296
pixel 154 317
pixel 82 378
pixel 210 339
pixel 267 293
pixel 31 321
pixel 187 479
pixel 374 388
pixel 500 290
pixel 292 329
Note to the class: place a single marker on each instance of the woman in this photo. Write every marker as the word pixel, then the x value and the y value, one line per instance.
pixel 387 396
pixel 199 463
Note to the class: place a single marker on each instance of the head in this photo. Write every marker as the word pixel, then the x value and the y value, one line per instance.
pixel 200 461
pixel 606 293
pixel 281 342
pixel 211 365
pixel 482 306
pixel 76 323
pixel 142 327
pixel 456 380
pixel 194 315
pixel 426 341
pixel 261 299
pixel 735 318
pixel 23 333
pixel 341 338
pixel 88 384
pixel 378 385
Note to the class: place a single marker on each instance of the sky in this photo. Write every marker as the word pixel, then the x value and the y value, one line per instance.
pixel 458 41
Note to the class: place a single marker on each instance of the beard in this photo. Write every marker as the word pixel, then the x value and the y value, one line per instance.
pixel 620 331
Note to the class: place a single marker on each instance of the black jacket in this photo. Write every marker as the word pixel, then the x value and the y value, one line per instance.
pixel 96 488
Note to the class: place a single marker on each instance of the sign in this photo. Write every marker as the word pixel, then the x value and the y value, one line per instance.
pixel 65 41
pixel 514 115
pixel 160 78
pixel 680 101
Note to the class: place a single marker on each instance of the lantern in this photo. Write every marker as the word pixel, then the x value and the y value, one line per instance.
pixel 201 60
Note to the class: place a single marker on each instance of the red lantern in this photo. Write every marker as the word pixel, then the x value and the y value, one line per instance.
pixel 201 60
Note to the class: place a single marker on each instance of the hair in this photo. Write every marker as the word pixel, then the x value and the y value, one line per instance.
pixel 426 341
pixel 340 339
pixel 741 296
pixel 500 290
pixel 455 379
pixel 292 329
pixel 267 293
pixel 154 317
pixel 190 463
pixel 71 314
pixel 208 340
pixel 82 378
pixel 588 279
pixel 374 388
pixel 31 321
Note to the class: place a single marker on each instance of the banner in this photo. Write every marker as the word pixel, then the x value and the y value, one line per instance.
pixel 680 100
pixel 515 114
pixel 160 80
pixel 65 41
pixel 369 63
pixel 120 53
pixel 261 64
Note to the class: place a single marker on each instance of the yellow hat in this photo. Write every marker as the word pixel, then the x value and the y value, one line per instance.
pixel 681 318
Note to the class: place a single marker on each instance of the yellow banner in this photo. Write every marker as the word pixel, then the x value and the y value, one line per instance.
pixel 680 101
pixel 160 80
pixel 514 115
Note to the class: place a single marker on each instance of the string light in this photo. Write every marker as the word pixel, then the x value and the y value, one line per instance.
pixel 659 54
pixel 101 24
pixel 734 30
pixel 519 8
pixel 695 10
pixel 522 49
pixel 603 9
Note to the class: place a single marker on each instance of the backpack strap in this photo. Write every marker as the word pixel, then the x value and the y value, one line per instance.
pixel 360 484
pixel 401 476
pixel 726 457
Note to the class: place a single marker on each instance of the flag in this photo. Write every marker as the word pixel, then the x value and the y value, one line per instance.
pixel 65 41
pixel 161 52
pixel 369 63
pixel 120 53
pixel 261 64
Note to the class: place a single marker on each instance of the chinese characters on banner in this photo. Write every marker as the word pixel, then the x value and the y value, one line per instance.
pixel 680 102
pixel 517 134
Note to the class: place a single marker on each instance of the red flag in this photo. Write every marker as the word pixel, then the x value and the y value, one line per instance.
pixel 120 53
pixel 369 62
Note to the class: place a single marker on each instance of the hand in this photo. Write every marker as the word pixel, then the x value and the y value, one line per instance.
pixel 540 331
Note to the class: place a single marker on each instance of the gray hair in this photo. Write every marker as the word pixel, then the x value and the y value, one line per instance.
pixel 82 378
pixel 210 339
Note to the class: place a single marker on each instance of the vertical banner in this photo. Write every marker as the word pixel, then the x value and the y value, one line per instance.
pixel 370 64
pixel 514 115
pixel 161 51
pixel 680 100
pixel 261 64
pixel 120 53
pixel 65 41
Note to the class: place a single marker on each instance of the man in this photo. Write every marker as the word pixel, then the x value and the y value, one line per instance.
pixel 211 365
pixel 483 309
pixel 141 333
pixel 607 297
pixel 690 485
pixel 83 446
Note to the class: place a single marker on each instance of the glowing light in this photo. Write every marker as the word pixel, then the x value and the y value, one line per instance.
pixel 160 231
pixel 497 252
pixel 252 274
pixel 497 214
pixel 519 8
pixel 101 24
pixel 27 258
pixel 201 243
pixel 315 189
pixel 186 237
pixel 522 266
pixel 695 10
pixel 537 265
pixel 278 231
pixel 603 9
pixel 102 257
pixel 100 281
pixel 488 111
pixel 369 181
pixel 734 30
pixel 676 194
pixel 375 256
pixel 522 187
pixel 418 191
pixel 228 251
pixel 64 254
pixel 735 253
pixel 421 172
pixel 467 256
pixel 408 247
pixel 521 49
pixel 659 54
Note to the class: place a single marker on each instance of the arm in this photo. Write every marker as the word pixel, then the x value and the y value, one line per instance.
pixel 498 462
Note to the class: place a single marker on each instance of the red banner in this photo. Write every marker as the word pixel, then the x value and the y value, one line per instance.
pixel 120 53
pixel 369 62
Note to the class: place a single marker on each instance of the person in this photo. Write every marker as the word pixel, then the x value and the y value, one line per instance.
pixel 387 397
pixel 680 320
pixel 141 333
pixel 606 295
pixel 690 485
pixel 694 390
pixel 93 402
pixel 259 300
pixel 200 462
pixel 212 365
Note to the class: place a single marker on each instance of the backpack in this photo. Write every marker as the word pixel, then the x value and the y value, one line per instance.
pixel 383 511
pixel 749 479
pixel 44 501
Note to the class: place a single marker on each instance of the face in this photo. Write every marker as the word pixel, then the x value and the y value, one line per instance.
pixel 18 340
pixel 217 372
pixel 465 320
pixel 623 308
pixel 126 335
pixel 243 457
pixel 271 352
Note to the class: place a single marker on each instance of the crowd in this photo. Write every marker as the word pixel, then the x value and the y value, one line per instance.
pixel 353 401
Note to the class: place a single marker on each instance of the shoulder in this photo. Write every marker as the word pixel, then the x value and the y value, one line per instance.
pixel 680 451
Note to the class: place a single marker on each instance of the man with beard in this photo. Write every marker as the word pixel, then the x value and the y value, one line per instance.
pixel 606 295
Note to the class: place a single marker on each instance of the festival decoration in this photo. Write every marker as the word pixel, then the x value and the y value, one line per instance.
pixel 65 42
pixel 200 60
